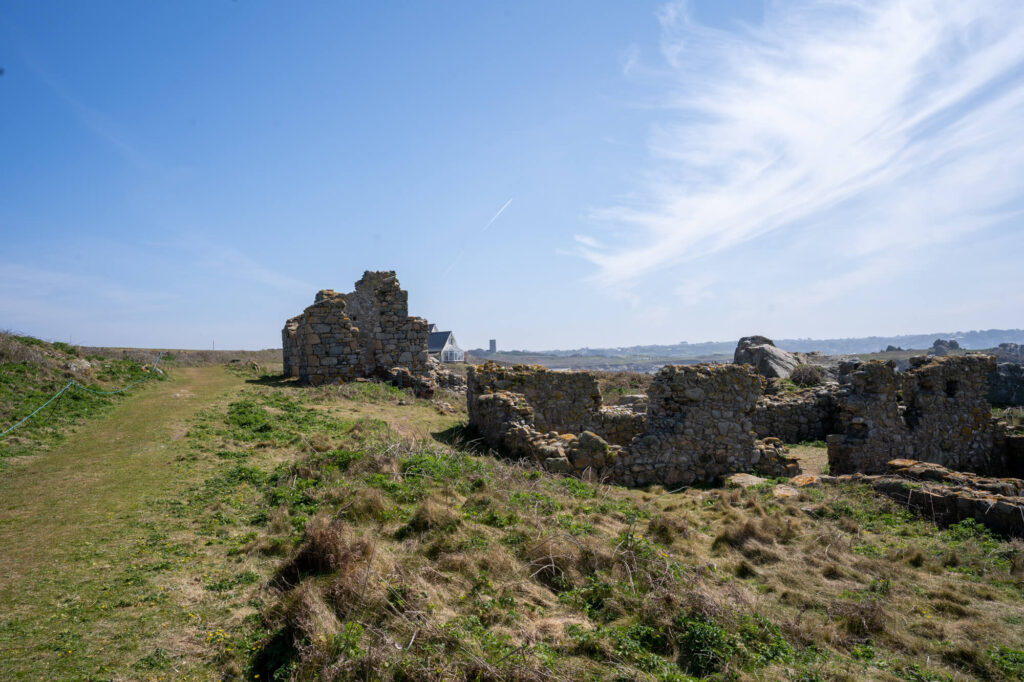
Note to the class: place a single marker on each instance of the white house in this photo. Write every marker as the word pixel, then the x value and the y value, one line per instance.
pixel 442 345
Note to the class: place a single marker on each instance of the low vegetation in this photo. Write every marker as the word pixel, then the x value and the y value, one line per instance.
pixel 399 559
pixel 32 371
pixel 613 385
pixel 357 532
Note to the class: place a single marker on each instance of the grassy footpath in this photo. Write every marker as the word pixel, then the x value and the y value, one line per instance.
pixel 83 541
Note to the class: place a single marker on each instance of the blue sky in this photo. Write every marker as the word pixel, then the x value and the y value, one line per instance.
pixel 189 173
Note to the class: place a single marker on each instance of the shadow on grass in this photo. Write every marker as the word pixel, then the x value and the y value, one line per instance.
pixel 275 380
pixel 463 437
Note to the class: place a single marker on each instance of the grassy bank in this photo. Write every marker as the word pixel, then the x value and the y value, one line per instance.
pixel 32 371
pixel 392 558
pixel 225 525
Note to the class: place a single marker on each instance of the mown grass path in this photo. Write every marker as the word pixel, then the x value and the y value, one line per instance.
pixel 76 600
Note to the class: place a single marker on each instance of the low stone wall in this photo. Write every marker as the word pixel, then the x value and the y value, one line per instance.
pixel 561 401
pixel 934 412
pixel 795 418
pixel 564 402
pixel 619 424
pixel 947 497
pixel 697 427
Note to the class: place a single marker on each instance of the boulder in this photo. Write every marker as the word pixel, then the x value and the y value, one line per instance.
pixel 1006 385
pixel 768 360
pixel 78 366
pixel 744 480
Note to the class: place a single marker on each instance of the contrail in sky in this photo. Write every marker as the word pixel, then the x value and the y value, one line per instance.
pixel 500 211
pixel 489 223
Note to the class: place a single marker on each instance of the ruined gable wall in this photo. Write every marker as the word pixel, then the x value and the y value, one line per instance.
pixel 388 336
pixel 362 334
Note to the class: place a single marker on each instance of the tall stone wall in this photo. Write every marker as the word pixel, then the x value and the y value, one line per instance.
pixel 699 427
pixel 934 412
pixel 290 346
pixel 947 412
pixel 365 333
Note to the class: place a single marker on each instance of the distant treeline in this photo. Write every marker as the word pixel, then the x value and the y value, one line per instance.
pixel 970 340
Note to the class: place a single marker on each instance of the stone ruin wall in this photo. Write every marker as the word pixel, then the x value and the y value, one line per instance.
pixel 366 333
pixel 701 422
pixel 796 418
pixel 699 428
pixel 290 346
pixel 563 402
pixel 935 412
pixel 697 425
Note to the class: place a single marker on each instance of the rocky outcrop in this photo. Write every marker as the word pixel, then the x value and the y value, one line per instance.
pixel 947 497
pixel 942 347
pixel 1006 385
pixel 769 361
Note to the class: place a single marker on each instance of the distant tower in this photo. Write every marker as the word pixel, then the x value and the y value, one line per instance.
pixel 493 346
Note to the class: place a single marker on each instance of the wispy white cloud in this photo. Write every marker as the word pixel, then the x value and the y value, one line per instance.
pixel 20 283
pixel 92 119
pixel 881 125
pixel 242 267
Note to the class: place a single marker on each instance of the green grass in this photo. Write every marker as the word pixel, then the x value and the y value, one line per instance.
pixel 32 371
pixel 297 534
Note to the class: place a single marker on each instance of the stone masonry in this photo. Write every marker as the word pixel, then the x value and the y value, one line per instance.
pixel 699 428
pixel 697 425
pixel 946 497
pixel 700 423
pixel 805 416
pixel 564 402
pixel 366 333
pixel 934 412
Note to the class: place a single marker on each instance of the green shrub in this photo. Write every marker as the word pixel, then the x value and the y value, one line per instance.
pixel 704 646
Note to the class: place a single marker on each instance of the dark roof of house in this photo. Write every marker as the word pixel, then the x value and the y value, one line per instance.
pixel 436 341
